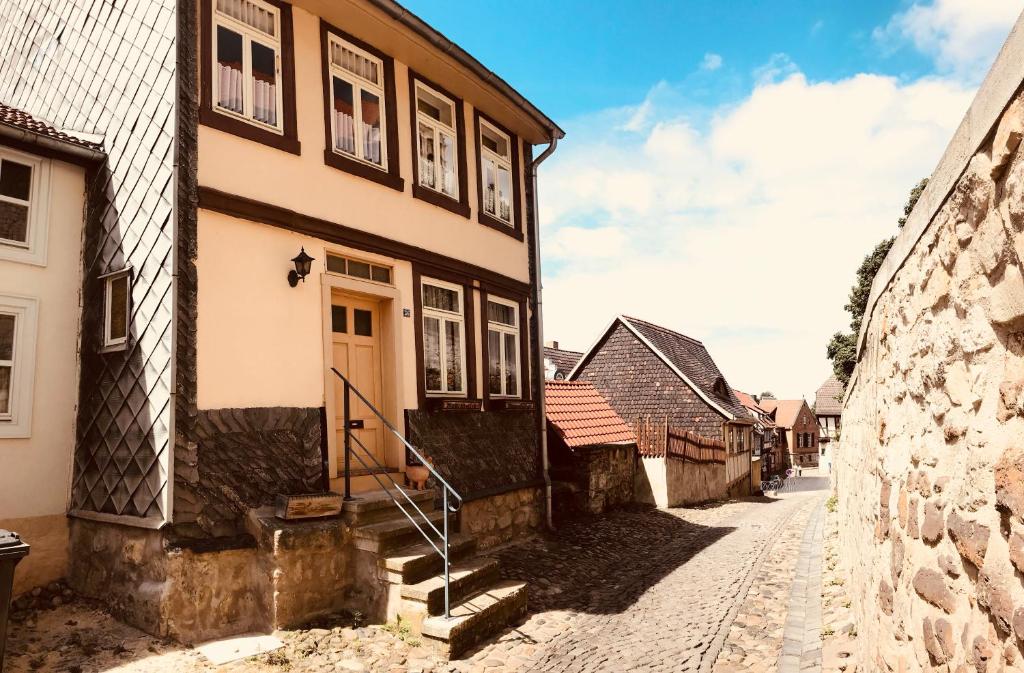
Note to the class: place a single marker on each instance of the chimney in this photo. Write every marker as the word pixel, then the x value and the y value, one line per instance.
pixel 550 344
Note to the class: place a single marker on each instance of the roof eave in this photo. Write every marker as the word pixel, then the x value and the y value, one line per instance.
pixel 52 144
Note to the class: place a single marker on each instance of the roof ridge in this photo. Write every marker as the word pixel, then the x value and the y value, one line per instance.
pixel 662 328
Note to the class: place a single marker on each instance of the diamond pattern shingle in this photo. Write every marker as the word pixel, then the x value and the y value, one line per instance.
pixel 582 416
pixel 829 399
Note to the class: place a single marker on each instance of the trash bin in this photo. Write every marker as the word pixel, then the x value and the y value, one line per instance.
pixel 12 550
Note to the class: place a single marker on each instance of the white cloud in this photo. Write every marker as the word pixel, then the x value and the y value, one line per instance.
pixel 962 36
pixel 744 231
pixel 777 67
pixel 711 61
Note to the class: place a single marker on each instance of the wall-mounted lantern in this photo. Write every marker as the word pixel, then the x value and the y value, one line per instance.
pixel 303 263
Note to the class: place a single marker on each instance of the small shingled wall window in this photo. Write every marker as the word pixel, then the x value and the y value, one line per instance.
pixel 247 62
pixel 117 298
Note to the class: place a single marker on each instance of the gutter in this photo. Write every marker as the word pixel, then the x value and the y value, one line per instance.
pixel 538 321
pixel 423 29
pixel 52 144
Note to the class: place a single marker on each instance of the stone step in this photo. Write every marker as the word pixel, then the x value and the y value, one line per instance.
pixel 476 618
pixel 467 578
pixel 375 506
pixel 386 536
pixel 418 562
pixel 364 480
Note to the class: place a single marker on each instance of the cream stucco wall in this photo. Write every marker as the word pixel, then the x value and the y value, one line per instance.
pixel 306 185
pixel 35 474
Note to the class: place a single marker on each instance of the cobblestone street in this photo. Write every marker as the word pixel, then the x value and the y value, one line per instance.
pixel 689 589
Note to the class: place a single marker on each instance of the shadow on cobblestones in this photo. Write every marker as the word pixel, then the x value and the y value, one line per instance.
pixel 602 565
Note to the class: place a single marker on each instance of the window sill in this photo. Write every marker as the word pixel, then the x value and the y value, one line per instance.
pixel 494 223
pixel 358 168
pixel 114 348
pixel 508 404
pixel 440 200
pixel 456 404
pixel 236 127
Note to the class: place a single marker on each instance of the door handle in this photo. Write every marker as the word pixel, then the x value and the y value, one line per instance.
pixel 355 424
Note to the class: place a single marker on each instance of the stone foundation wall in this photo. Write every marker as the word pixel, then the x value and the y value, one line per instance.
pixel 498 519
pixel 930 469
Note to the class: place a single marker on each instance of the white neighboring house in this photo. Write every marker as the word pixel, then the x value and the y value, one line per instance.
pixel 42 206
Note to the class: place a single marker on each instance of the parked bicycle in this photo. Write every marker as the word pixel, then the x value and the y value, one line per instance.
pixel 775 484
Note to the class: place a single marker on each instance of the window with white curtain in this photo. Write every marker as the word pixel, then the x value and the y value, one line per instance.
pixel 357 103
pixel 247 61
pixel 502 348
pixel 444 338
pixel 17 364
pixel 436 141
pixel 496 172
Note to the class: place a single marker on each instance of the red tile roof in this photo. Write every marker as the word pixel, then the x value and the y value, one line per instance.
pixel 19 119
pixel 582 416
pixel 786 411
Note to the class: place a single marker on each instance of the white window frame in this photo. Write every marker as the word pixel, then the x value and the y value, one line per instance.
pixel 249 35
pixel 438 128
pixel 443 316
pixel 118 343
pixel 33 250
pixel 499 162
pixel 503 329
pixel 18 422
pixel 358 85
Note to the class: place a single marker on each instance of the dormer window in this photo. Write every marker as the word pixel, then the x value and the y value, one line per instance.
pixel 437 141
pixel 247 62
pixel 721 389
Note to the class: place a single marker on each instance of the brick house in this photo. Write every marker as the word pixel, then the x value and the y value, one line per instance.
pixel 764 443
pixel 290 192
pixel 646 371
pixel 797 431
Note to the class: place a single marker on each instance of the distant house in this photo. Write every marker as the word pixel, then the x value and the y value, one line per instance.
pixel 798 431
pixel 764 442
pixel 592 450
pixel 649 372
pixel 828 408
pixel 558 362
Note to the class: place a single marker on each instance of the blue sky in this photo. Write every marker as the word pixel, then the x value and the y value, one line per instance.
pixel 727 165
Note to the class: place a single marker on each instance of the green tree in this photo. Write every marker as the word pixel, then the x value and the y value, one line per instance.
pixel 842 347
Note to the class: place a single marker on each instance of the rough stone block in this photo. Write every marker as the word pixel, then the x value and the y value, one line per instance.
pixel 994 596
pixel 1011 400
pixel 931 528
pixel 1007 137
pixel 930 586
pixel 970 537
pixel 896 560
pixel 902 509
pixel 885 595
pixel 931 642
pixel 913 526
pixel 1009 478
pixel 1017 550
pixel 1006 302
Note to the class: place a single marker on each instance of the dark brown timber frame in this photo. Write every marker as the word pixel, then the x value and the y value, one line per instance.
pixel 515 229
pixel 460 207
pixel 525 364
pixel 289 141
pixel 392 177
pixel 419 270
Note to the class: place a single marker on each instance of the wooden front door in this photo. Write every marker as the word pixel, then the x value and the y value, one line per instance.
pixel 356 345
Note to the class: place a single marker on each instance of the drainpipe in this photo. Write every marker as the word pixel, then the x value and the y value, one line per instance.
pixel 538 320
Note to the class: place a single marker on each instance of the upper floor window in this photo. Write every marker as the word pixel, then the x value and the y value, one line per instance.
pixel 444 338
pixel 503 374
pixel 23 192
pixel 437 141
pixel 496 173
pixel 357 103
pixel 17 362
pixel 247 62
pixel 117 297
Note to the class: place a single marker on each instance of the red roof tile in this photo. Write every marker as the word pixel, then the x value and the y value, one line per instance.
pixel 19 119
pixel 582 416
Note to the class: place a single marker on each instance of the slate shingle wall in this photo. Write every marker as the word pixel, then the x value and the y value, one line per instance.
pixel 638 385
pixel 104 67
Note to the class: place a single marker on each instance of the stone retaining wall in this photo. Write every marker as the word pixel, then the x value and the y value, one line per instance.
pixel 930 471
pixel 673 482
pixel 501 518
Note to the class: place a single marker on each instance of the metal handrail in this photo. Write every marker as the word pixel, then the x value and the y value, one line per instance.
pixel 447 505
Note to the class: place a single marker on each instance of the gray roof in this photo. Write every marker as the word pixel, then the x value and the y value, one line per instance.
pixel 691 358
pixel 563 360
